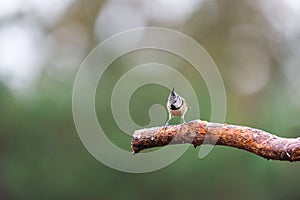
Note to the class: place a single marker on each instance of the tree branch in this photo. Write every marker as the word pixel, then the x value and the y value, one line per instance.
pixel 253 140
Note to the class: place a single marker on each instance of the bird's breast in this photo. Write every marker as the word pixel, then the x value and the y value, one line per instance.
pixel 176 112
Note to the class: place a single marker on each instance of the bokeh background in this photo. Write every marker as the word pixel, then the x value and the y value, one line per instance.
pixel 255 44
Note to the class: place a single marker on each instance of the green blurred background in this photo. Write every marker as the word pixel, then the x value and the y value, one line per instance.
pixel 255 44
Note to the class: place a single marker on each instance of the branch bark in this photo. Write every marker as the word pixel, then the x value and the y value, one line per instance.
pixel 195 132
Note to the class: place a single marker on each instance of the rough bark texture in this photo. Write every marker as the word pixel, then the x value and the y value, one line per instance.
pixel 253 140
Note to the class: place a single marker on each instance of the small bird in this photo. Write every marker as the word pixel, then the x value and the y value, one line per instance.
pixel 176 106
